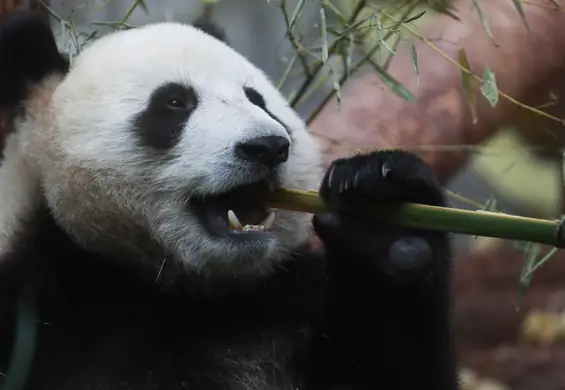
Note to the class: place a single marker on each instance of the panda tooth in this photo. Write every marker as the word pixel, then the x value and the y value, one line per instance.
pixel 268 222
pixel 234 221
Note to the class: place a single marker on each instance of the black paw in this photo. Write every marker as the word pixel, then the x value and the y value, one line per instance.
pixel 380 177
pixel 354 183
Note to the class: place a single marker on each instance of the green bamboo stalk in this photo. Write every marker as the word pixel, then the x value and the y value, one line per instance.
pixel 445 219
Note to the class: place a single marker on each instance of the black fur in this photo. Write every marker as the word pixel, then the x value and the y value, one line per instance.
pixel 160 124
pixel 257 99
pixel 211 28
pixel 28 53
pixel 373 312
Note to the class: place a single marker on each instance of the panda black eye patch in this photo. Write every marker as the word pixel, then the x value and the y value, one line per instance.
pixel 257 99
pixel 160 124
pixel 254 97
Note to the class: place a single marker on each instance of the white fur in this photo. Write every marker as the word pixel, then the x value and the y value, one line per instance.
pixel 19 188
pixel 110 193
pixel 20 179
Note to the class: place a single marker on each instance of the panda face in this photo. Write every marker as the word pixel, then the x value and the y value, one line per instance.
pixel 156 143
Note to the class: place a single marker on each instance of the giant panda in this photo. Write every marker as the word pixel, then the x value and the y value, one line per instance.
pixel 139 255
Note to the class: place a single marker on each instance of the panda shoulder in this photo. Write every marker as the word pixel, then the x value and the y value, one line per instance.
pixel 28 57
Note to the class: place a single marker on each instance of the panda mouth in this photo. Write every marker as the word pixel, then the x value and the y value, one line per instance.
pixel 236 211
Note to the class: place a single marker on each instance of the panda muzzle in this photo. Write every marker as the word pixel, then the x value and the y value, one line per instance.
pixel 237 210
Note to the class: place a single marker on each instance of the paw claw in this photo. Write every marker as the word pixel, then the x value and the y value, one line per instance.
pixel 385 169
pixel 356 179
pixel 331 176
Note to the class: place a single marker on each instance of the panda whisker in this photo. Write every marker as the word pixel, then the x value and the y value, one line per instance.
pixel 160 269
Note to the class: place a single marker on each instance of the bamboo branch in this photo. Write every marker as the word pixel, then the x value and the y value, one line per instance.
pixel 445 219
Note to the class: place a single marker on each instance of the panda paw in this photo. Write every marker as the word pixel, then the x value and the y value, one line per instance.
pixel 377 178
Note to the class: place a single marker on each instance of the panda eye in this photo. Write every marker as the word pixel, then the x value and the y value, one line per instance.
pixel 254 97
pixel 175 103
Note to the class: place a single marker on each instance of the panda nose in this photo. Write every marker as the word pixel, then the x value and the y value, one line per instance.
pixel 268 150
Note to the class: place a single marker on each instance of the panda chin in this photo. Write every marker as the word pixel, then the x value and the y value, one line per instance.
pixel 236 214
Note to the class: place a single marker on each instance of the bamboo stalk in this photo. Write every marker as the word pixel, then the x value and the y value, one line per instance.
pixel 445 219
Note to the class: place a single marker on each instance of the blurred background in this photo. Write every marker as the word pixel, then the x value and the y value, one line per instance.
pixel 382 53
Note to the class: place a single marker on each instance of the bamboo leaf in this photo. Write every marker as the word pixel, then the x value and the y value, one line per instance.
pixel 324 36
pixel 484 20
pixel 490 205
pixel 489 88
pixel 399 89
pixel 336 11
pixel 135 4
pixel 349 51
pixel 415 17
pixel 325 54
pixel 354 27
pixel 532 252
pixel 531 265
pixel 143 6
pixel 520 9
pixel 543 260
pixel 415 60
pixel 444 7
pixel 296 14
pixel 468 90
pixel 382 35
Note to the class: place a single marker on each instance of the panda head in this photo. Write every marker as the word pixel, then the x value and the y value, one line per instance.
pixel 156 140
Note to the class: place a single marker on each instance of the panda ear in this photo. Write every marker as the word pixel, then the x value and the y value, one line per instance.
pixel 212 29
pixel 28 54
